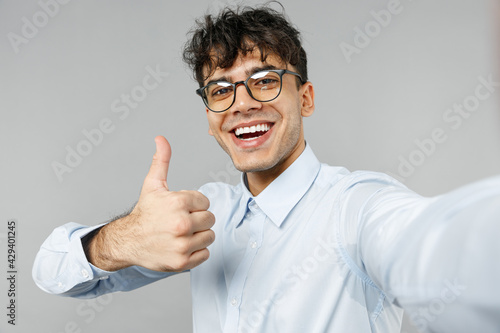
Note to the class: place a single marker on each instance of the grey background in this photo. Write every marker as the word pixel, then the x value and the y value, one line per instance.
pixel 368 114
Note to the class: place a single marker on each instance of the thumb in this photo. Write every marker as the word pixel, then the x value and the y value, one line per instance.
pixel 157 175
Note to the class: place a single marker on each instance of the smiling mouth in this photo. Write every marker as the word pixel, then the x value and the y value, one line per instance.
pixel 252 132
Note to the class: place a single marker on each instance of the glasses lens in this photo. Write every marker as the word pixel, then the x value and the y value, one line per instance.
pixel 265 85
pixel 219 95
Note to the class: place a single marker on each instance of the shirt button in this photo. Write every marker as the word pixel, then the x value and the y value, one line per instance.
pixel 234 301
pixel 253 245
pixel 60 285
pixel 85 274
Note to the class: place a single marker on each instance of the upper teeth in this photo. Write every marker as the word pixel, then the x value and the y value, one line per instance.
pixel 252 129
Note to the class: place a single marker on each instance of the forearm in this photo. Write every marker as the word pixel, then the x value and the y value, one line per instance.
pixel 459 270
pixel 61 267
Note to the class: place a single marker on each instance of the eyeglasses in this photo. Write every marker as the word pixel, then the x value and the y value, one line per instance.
pixel 263 86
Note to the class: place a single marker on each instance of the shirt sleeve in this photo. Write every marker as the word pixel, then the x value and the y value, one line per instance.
pixel 61 267
pixel 438 258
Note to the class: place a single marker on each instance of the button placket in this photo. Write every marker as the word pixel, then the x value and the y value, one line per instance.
pixel 253 216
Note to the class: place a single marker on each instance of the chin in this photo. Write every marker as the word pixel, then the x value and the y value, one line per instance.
pixel 254 166
pixel 245 167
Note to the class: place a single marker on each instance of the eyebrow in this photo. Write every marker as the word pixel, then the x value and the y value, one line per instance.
pixel 248 72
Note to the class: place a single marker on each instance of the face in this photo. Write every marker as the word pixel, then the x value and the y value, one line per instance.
pixel 279 138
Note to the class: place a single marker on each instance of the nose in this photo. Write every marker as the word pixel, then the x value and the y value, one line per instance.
pixel 243 102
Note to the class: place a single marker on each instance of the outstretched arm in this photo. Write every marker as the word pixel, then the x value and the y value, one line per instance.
pixel 438 258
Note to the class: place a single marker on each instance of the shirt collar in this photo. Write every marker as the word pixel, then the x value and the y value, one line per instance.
pixel 279 197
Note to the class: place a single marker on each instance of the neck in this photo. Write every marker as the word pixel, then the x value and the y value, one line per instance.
pixel 259 180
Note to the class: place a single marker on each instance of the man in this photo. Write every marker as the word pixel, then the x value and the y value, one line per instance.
pixel 297 246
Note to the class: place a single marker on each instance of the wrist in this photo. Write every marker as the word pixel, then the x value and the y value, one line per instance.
pixel 105 247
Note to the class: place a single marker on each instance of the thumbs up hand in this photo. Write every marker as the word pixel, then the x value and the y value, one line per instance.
pixel 166 231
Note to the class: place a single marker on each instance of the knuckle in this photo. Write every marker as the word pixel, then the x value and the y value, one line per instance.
pixel 205 201
pixel 182 263
pixel 177 200
pixel 182 226
pixel 183 246
pixel 201 199
pixel 204 255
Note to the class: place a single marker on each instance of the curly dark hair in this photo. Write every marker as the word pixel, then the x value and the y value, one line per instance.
pixel 217 42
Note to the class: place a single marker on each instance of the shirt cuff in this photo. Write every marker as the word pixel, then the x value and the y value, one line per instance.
pixel 78 269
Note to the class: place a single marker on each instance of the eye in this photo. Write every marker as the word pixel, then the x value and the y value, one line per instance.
pixel 267 81
pixel 220 90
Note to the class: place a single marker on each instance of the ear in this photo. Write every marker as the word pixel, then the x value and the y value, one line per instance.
pixel 307 99
pixel 209 129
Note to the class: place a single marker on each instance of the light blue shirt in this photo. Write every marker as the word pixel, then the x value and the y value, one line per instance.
pixel 322 249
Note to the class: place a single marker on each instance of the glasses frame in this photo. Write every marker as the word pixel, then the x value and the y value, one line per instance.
pixel 280 72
